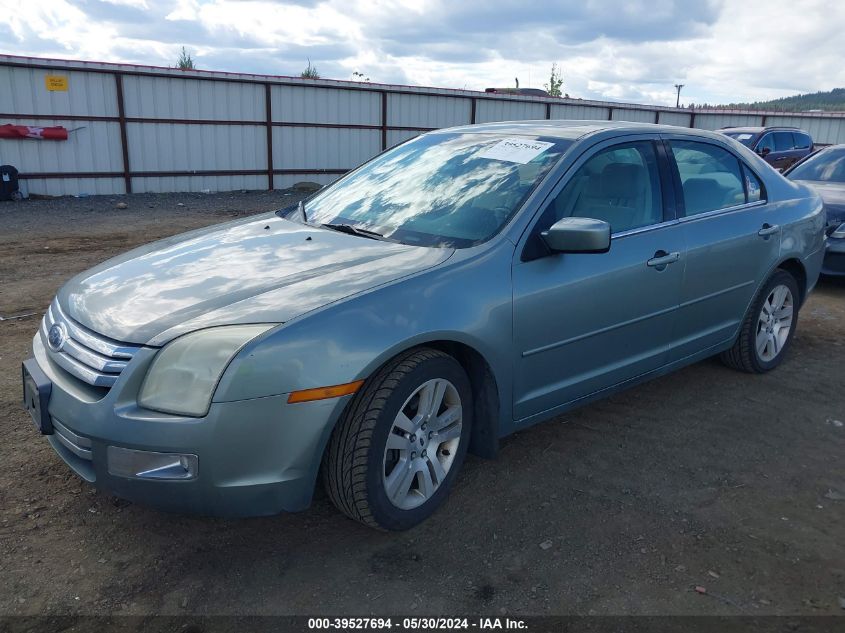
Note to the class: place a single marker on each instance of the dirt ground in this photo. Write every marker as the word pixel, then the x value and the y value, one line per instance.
pixel 706 478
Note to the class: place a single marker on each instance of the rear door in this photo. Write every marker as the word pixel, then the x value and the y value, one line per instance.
pixel 803 146
pixel 732 241
pixel 784 154
pixel 586 321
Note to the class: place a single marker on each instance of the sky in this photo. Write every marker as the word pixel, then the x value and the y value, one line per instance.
pixel 723 51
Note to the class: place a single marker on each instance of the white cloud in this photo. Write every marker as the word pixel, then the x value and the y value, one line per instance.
pixel 138 4
pixel 722 50
pixel 184 10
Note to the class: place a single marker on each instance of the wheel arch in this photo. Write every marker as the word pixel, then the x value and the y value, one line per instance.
pixel 486 387
pixel 796 268
pixel 484 441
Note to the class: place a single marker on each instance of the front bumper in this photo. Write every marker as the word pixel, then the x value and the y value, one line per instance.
pixel 834 258
pixel 253 457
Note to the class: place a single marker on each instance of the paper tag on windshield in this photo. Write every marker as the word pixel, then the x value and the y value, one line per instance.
pixel 515 150
pixel 744 137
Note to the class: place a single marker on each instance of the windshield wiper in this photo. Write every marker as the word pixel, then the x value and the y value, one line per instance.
pixel 354 230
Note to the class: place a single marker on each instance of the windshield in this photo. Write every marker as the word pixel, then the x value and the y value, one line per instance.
pixel 746 138
pixel 826 166
pixel 444 189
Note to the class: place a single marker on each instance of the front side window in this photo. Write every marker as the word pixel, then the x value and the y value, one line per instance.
pixel 825 166
pixel 767 143
pixel 442 189
pixel 620 185
pixel 783 141
pixel 710 176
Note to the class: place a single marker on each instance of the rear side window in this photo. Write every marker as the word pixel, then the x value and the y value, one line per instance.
pixel 711 177
pixel 783 141
pixel 802 141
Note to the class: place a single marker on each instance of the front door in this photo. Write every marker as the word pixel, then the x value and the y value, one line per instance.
pixel 584 322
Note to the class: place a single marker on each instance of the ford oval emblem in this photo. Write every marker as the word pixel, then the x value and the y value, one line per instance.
pixel 56 337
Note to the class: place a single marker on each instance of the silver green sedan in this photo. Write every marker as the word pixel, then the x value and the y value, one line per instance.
pixel 461 286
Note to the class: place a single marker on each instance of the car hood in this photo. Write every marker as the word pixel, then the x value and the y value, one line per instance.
pixel 255 270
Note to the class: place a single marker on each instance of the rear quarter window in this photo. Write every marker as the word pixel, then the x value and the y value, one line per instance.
pixel 754 189
pixel 802 141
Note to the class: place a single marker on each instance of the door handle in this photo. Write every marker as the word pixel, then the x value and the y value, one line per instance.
pixel 662 259
pixel 768 229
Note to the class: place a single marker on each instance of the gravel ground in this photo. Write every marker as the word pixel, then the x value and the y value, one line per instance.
pixel 707 478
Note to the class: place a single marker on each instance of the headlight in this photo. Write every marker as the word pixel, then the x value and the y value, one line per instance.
pixel 839 232
pixel 184 374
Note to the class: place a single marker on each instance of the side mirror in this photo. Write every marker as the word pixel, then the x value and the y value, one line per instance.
pixel 578 235
pixel 764 151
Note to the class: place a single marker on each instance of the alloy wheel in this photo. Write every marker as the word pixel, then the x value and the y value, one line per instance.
pixel 422 443
pixel 774 323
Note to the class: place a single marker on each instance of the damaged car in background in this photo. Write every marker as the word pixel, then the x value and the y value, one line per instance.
pixel 824 172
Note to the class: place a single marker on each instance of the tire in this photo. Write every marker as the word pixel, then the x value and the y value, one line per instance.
pixel 746 354
pixel 358 464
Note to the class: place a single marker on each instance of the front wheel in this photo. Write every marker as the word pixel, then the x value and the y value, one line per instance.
pixel 768 327
pixel 393 456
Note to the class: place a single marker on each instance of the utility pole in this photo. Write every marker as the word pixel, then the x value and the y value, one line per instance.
pixel 678 100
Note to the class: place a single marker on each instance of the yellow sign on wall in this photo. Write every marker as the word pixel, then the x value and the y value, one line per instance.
pixel 56 83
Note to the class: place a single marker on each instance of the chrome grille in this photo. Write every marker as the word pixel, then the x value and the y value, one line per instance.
pixel 90 357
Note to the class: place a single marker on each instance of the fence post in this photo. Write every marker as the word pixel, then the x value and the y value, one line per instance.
pixel 124 143
pixel 383 120
pixel 268 112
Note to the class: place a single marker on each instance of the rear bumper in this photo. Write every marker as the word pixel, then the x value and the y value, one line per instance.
pixel 834 258
pixel 254 457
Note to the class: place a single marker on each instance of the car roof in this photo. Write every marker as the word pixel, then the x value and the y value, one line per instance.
pixel 758 129
pixel 571 129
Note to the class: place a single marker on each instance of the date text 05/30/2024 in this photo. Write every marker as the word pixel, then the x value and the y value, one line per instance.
pixel 416 624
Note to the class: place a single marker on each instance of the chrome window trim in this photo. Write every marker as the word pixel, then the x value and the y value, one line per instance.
pixel 687 218
pixel 723 211
pixel 643 229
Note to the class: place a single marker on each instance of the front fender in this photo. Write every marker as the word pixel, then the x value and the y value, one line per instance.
pixel 467 300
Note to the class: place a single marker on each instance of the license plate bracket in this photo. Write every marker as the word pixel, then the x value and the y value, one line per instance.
pixel 36 395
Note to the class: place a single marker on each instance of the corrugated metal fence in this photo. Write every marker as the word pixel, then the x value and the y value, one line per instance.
pixel 139 129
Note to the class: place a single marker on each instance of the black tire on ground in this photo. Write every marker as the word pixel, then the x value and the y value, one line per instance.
pixel 743 356
pixel 353 466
